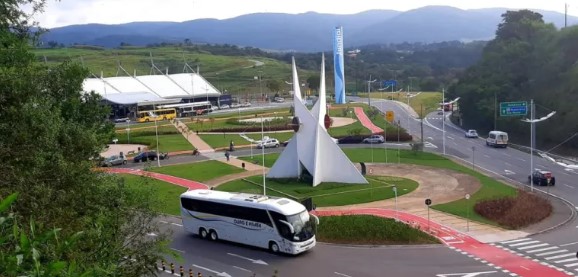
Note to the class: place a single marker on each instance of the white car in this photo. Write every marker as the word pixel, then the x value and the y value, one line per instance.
pixel 471 134
pixel 374 139
pixel 268 143
pixel 246 104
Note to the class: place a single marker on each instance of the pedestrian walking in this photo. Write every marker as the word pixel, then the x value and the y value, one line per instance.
pixel 227 155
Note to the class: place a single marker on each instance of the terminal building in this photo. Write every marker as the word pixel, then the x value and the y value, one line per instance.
pixel 127 95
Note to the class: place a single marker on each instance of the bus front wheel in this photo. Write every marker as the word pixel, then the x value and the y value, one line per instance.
pixel 203 233
pixel 213 235
pixel 273 247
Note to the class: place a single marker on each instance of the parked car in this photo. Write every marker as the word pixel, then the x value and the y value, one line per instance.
pixel 268 143
pixel 224 107
pixel 236 105
pixel 246 104
pixel 279 99
pixel 150 155
pixel 440 111
pixel 113 160
pixel 374 139
pixel 542 178
pixel 471 134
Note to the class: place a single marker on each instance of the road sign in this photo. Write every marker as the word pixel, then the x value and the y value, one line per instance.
pixel 513 108
pixel 428 201
pixel 390 83
pixel 389 116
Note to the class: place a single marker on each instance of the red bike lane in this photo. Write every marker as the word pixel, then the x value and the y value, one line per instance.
pixel 365 121
pixel 163 177
pixel 496 257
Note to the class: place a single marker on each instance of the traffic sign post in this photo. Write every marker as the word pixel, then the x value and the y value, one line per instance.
pixel 518 108
pixel 428 203
pixel 389 116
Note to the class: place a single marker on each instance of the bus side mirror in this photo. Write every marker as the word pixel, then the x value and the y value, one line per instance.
pixel 291 229
pixel 316 219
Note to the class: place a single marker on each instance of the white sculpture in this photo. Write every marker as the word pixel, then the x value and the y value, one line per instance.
pixel 311 147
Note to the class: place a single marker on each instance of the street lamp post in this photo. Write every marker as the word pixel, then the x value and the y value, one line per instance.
pixel 263 154
pixel 444 118
pixel 128 130
pixel 532 122
pixel 157 135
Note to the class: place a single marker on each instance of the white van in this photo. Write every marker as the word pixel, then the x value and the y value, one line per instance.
pixel 497 139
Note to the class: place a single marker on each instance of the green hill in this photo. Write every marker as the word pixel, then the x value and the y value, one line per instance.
pixel 236 74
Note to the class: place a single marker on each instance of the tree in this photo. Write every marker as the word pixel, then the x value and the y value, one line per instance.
pixel 314 82
pixel 273 85
pixel 49 128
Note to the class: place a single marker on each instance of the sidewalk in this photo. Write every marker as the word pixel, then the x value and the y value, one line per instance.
pixel 193 138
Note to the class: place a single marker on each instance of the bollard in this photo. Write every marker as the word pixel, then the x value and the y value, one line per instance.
pixel 181 270
pixel 163 264
pixel 191 274
pixel 199 275
pixel 243 165
pixel 172 268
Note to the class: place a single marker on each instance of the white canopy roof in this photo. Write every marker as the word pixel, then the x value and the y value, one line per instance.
pixel 131 89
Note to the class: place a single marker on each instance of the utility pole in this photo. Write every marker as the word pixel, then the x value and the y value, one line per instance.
pixel 369 90
pixel 421 124
pixel 532 124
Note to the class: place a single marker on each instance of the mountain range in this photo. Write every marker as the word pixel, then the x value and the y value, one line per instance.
pixel 306 32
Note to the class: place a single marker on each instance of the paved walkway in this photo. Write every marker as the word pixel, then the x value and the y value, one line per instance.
pixel 193 138
pixel 365 121
pixel 163 177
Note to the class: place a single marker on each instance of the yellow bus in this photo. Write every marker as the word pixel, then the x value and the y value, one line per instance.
pixel 161 114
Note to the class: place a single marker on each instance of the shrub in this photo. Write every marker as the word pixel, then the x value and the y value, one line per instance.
pixel 515 212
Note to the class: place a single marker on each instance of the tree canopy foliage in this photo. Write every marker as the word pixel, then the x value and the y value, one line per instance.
pixel 49 129
pixel 528 59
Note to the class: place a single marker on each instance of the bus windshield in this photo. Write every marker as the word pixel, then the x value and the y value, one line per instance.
pixel 303 224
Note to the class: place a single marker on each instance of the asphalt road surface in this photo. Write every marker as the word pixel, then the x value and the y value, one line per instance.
pixel 225 259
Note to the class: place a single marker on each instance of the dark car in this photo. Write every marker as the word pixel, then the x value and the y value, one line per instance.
pixel 149 155
pixel 542 178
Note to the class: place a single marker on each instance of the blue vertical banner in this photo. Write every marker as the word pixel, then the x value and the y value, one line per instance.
pixel 339 65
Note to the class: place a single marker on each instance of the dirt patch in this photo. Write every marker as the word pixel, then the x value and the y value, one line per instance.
pixel 439 185
pixel 342 121
pixel 126 149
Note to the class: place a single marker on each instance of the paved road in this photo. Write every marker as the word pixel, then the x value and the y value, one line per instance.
pixel 329 260
pixel 557 247
pixel 227 259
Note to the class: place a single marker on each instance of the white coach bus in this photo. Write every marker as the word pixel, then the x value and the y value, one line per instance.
pixel 277 224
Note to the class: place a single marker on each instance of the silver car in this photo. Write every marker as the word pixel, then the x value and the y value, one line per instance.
pixel 113 160
pixel 374 139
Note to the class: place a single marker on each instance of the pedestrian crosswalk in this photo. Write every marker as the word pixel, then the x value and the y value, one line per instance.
pixel 546 253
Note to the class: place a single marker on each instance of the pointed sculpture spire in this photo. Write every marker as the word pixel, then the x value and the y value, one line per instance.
pixel 320 108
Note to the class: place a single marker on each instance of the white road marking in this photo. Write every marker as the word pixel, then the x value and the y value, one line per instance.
pixel 569 186
pixel 533 246
pixel 516 240
pixel 509 172
pixel 450 137
pixel 524 243
pixel 178 250
pixel 248 259
pixel 560 256
pixel 176 224
pixel 238 267
pixel 567 260
pixel 506 154
pixel 552 252
pixel 467 274
pixel 151 234
pixel 222 274
pixel 568 243
pixel 341 274
pixel 571 265
pixel 521 159
pixel 524 267
pixel 542 249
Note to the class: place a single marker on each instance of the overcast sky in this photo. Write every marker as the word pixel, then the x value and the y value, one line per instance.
pixel 69 12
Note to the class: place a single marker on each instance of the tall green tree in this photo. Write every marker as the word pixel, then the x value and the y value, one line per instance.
pixel 49 129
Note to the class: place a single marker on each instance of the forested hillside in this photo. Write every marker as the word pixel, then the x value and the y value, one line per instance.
pixel 529 59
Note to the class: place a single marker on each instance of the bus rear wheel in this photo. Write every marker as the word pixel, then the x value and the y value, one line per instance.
pixel 213 235
pixel 203 233
pixel 273 247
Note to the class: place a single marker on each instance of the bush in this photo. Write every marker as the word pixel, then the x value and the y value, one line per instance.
pixel 515 212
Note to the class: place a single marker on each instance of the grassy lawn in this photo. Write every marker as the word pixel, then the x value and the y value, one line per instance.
pixel 251 114
pixel 429 100
pixel 200 171
pixel 369 230
pixel 326 194
pixel 140 126
pixel 168 194
pixel 220 140
pixel 490 188
pixel 170 140
pixel 343 109
pixel 207 124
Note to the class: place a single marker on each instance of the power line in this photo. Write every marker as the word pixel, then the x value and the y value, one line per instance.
pixel 575 134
